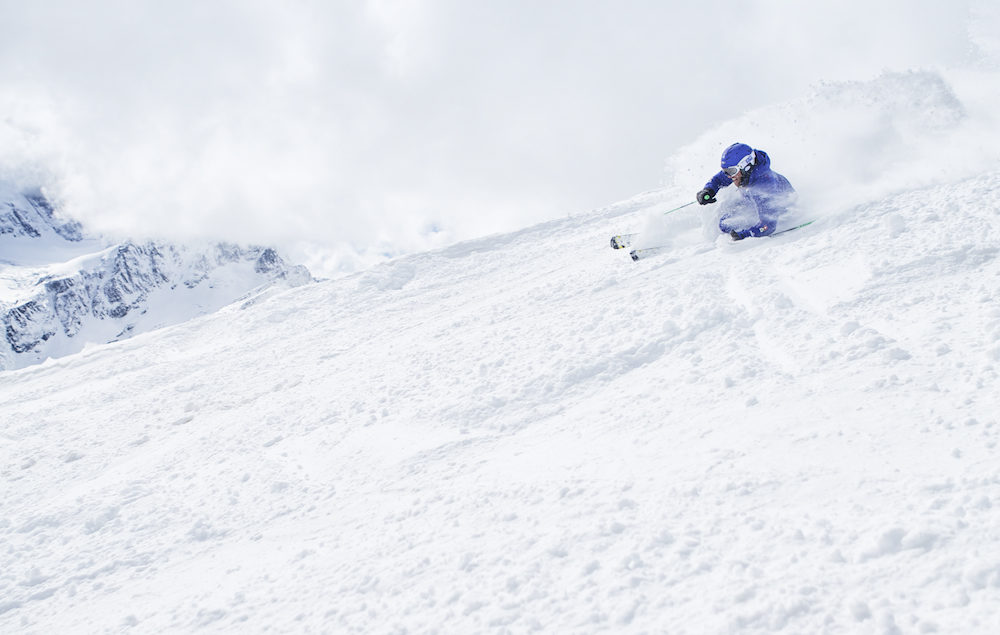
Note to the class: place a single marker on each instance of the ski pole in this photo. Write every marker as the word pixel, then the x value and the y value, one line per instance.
pixel 677 208
pixel 791 228
pixel 624 240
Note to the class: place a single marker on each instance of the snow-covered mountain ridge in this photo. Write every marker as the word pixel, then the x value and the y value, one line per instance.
pixel 60 291
pixel 34 218
pixel 530 432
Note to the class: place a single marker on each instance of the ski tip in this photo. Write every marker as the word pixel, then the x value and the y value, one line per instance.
pixel 614 242
pixel 634 255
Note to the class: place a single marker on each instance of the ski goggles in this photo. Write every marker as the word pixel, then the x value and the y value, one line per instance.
pixel 744 163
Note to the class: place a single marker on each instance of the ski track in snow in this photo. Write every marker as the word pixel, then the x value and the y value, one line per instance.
pixel 532 432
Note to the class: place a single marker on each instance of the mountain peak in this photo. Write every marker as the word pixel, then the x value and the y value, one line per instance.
pixel 30 215
pixel 60 290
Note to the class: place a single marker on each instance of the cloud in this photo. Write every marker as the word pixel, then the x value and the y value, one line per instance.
pixel 381 127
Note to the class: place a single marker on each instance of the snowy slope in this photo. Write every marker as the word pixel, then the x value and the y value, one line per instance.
pixel 532 432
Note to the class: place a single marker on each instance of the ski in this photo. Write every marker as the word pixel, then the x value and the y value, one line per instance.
pixel 639 254
pixel 622 241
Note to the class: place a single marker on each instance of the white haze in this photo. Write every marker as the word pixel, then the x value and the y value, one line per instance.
pixel 346 132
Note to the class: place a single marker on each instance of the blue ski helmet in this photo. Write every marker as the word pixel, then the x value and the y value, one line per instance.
pixel 738 155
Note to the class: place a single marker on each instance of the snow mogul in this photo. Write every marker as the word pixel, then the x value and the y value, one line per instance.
pixel 766 195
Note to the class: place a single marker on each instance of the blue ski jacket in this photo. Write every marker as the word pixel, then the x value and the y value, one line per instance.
pixel 765 192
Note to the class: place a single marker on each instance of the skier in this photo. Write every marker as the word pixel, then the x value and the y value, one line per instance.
pixel 766 194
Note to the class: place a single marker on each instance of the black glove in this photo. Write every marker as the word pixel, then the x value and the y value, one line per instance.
pixel 706 196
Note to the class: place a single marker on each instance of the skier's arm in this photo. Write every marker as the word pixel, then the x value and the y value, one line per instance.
pixel 719 181
pixel 707 194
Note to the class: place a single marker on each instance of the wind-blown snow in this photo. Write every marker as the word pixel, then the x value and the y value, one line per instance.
pixel 532 432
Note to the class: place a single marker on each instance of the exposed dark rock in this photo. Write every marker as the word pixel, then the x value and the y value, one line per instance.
pixel 70 230
pixel 268 262
pixel 27 326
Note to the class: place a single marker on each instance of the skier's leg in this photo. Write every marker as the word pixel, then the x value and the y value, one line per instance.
pixel 767 225
pixel 737 217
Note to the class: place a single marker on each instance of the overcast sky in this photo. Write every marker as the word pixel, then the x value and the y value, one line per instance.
pixel 386 126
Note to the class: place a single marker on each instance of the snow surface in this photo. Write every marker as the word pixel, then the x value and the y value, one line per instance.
pixel 531 432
